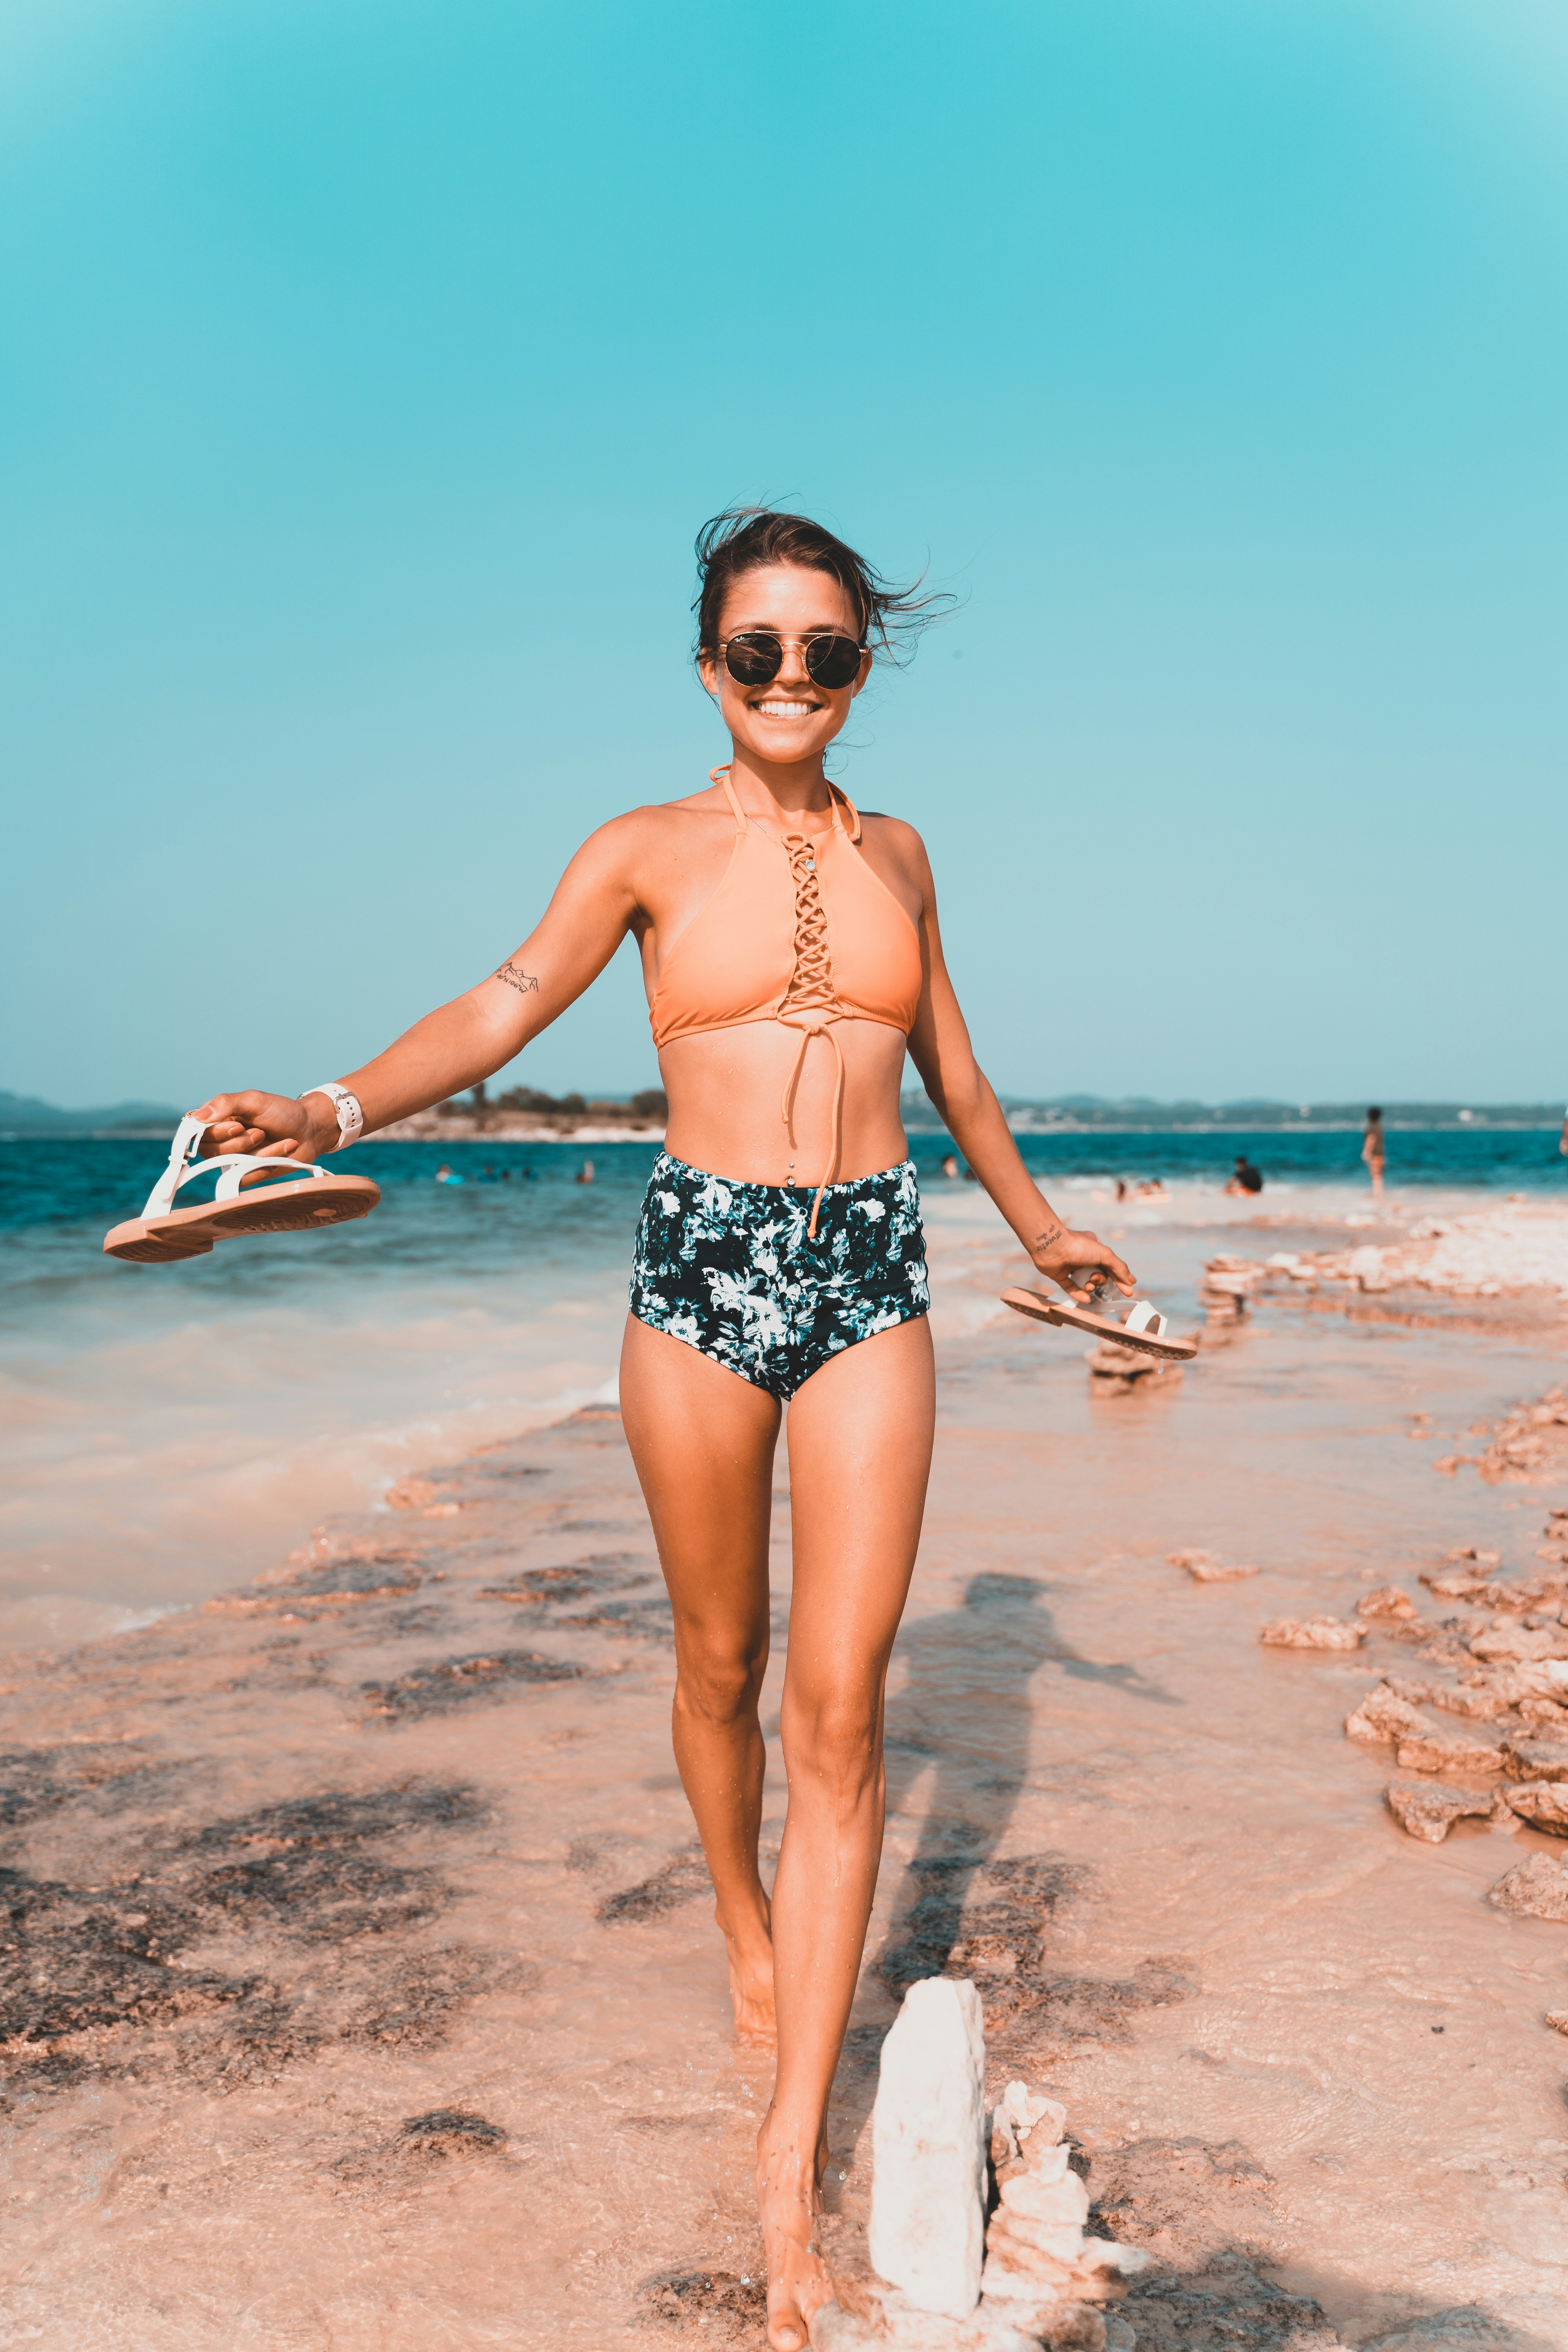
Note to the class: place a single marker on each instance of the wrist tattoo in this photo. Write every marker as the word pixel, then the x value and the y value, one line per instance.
pixel 523 982
pixel 1052 1234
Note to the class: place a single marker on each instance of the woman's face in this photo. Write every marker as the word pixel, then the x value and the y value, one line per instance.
pixel 792 718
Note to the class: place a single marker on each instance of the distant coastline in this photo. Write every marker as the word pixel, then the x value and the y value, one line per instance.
pixel 524 1114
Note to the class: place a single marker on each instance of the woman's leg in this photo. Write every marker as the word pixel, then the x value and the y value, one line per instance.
pixel 859 1452
pixel 702 1440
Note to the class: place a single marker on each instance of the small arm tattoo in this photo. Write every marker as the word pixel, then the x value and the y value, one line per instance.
pixel 1052 1234
pixel 523 982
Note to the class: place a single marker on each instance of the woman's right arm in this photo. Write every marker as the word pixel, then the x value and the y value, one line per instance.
pixel 477 1033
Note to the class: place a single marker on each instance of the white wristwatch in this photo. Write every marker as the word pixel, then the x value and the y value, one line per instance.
pixel 351 1118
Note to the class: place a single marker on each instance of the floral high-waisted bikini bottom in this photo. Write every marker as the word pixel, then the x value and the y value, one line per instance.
pixel 731 1269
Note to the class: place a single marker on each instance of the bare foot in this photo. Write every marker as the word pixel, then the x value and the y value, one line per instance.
pixel 798 2279
pixel 752 1986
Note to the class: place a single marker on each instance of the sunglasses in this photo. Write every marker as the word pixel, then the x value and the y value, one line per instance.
pixel 756 657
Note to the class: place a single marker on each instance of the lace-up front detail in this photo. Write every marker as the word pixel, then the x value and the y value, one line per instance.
pixel 811 982
pixel 799 930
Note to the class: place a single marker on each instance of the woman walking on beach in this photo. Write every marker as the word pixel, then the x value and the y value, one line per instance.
pixel 791 955
pixel 1375 1151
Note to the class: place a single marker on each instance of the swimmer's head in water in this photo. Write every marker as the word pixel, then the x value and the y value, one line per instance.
pixel 782 605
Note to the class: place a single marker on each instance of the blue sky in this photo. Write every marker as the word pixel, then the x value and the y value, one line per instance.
pixel 368 368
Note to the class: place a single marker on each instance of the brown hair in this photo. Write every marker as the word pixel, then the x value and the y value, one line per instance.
pixel 745 538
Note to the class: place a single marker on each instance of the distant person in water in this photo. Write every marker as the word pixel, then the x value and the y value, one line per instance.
pixel 584 1174
pixel 445 1176
pixel 949 1165
pixel 1246 1178
pixel 1374 1151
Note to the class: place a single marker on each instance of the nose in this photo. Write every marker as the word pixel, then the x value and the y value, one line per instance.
pixel 794 671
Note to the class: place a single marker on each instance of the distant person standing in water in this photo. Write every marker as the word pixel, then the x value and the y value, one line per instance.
pixel 1375 1151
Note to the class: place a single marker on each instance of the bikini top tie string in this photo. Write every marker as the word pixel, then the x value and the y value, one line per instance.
pixel 807 1032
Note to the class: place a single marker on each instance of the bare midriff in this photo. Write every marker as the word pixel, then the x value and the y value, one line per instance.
pixel 724 1088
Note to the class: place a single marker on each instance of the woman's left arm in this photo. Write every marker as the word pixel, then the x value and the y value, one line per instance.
pixel 940 1051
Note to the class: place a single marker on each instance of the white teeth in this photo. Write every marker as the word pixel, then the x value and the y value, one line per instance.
pixel 784 710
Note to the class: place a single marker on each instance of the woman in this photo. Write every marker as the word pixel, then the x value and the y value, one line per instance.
pixel 1375 1151
pixel 792 955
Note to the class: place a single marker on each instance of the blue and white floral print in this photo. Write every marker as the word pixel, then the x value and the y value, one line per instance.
pixel 731 1269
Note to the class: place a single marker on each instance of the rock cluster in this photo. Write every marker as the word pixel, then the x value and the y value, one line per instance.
pixel 1511 1673
pixel 1036 2253
pixel 1227 1285
pixel 1518 1247
pixel 946 2283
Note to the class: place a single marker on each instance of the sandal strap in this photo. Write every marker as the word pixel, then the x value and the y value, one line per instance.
pixel 185 1163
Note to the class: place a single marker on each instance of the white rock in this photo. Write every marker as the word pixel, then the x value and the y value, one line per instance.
pixel 1120 2336
pixel 928 2139
pixel 1031 2111
pixel 1105 2254
pixel 1063 2241
pixel 1063 2201
pixel 1014 2273
pixel 1046 2163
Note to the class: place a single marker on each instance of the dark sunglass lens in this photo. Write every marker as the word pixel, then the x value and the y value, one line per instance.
pixel 753 660
pixel 833 661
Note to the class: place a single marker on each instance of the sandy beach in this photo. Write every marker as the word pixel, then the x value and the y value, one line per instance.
pixel 361 1983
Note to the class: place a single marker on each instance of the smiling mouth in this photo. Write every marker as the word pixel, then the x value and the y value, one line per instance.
pixel 776 709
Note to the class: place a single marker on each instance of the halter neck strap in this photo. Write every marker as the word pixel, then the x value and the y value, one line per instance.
pixel 835 796
pixel 722 776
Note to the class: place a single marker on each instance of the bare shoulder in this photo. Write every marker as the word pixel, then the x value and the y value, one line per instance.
pixel 897 840
pixel 656 825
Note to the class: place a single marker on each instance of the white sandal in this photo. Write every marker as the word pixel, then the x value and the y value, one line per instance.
pixel 1144 1329
pixel 312 1196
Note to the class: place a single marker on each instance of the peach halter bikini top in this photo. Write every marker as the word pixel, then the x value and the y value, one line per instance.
pixel 800 930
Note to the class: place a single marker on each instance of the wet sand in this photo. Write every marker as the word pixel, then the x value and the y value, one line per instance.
pixel 362 1981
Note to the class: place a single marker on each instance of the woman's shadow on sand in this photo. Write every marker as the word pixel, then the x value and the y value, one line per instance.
pixel 965 1715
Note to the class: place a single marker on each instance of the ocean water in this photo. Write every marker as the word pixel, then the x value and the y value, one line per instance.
pixel 168 1431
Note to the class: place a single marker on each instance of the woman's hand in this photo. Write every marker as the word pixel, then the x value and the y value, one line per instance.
pixel 271 1127
pixel 1078 1261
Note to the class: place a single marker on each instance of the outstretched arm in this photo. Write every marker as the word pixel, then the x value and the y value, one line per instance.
pixel 942 1053
pixel 476 1033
